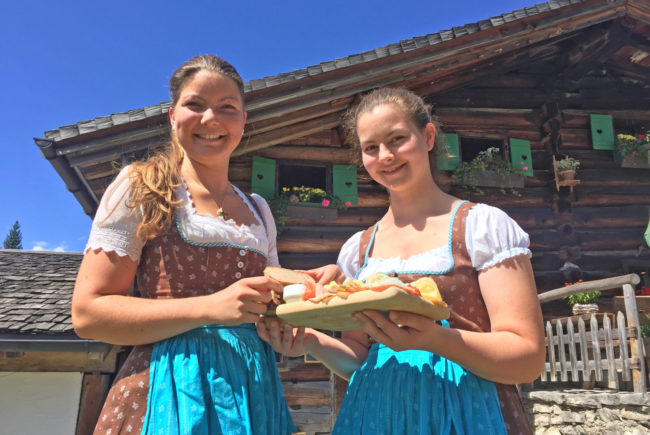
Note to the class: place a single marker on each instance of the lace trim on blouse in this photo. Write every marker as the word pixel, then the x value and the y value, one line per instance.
pixel 115 225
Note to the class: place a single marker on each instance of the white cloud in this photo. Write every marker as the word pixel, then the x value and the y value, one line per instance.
pixel 43 246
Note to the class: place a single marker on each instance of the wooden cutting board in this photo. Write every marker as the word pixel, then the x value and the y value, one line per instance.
pixel 336 314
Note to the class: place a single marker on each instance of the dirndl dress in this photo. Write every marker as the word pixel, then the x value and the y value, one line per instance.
pixel 418 392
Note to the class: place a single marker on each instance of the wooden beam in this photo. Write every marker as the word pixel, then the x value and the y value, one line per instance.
pixel 286 133
pixel 93 393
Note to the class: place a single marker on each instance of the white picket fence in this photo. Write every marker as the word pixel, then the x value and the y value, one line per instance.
pixel 597 351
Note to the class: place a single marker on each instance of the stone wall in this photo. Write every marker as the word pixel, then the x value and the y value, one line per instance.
pixel 588 412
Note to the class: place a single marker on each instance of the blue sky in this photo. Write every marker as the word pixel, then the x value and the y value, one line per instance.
pixel 69 61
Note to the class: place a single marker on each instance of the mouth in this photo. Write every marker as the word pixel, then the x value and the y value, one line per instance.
pixel 393 169
pixel 209 136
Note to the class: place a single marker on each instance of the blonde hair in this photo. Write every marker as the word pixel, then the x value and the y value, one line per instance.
pixel 154 181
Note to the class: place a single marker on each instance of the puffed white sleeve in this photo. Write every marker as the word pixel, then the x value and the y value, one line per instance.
pixel 271 230
pixel 115 224
pixel 492 236
pixel 348 260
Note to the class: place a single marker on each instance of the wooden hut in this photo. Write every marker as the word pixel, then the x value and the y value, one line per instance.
pixel 561 78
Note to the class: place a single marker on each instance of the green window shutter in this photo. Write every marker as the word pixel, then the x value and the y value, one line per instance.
pixel 263 177
pixel 450 159
pixel 344 183
pixel 602 132
pixel 520 155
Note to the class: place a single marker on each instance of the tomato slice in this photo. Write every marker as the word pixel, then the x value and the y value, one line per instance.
pixel 310 291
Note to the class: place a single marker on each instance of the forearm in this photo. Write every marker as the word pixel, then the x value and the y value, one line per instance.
pixel 501 356
pixel 128 320
pixel 342 356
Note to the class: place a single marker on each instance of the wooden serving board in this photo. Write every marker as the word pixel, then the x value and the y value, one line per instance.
pixel 336 313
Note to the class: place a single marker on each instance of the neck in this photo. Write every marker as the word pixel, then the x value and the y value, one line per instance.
pixel 415 204
pixel 214 178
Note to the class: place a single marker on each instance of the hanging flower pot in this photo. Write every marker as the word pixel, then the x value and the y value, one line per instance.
pixel 578 309
pixel 634 161
pixel 569 174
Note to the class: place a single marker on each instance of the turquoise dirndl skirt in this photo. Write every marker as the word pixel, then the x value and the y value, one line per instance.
pixel 215 380
pixel 417 392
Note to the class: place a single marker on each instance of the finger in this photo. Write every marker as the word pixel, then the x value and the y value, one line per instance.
pixel 410 320
pixel 371 327
pixel 287 337
pixel 262 283
pixel 275 332
pixel 262 330
pixel 299 338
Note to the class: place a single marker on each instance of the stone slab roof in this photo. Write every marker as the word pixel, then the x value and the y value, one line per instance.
pixel 69 131
pixel 36 291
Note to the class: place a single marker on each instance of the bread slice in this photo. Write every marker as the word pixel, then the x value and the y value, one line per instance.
pixel 287 276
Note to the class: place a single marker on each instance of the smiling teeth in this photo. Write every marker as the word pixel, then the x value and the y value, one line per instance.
pixel 210 137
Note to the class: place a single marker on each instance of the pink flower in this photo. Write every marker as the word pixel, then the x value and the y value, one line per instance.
pixel 640 136
pixel 293 198
pixel 521 163
pixel 634 153
pixel 325 203
pixel 348 203
pixel 525 168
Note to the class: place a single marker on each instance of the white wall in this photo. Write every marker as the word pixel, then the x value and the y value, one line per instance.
pixel 39 403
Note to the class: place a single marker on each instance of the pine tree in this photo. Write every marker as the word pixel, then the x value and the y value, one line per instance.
pixel 14 239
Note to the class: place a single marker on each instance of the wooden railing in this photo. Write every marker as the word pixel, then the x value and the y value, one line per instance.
pixel 570 352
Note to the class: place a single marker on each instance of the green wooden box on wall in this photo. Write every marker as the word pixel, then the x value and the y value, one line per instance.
pixel 450 158
pixel 263 177
pixel 521 156
pixel 602 132
pixel 344 183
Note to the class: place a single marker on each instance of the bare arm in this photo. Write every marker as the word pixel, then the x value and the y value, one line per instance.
pixel 512 352
pixel 102 309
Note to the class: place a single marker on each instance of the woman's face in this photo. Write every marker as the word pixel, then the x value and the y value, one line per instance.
pixel 394 151
pixel 209 117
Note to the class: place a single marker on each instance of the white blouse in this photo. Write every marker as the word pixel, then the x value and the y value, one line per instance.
pixel 491 236
pixel 115 224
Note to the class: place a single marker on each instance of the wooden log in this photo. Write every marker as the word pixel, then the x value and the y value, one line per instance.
pixel 307 393
pixel 314 239
pixel 312 420
pixel 306 261
pixel 305 373
pixel 61 362
pixel 338 156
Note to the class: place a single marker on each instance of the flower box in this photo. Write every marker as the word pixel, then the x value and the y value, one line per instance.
pixel 312 211
pixel 493 179
pixel 635 162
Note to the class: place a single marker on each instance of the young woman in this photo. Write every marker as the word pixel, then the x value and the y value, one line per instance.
pixel 198 247
pixel 409 374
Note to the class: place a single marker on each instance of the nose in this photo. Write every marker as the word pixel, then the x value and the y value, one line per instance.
pixel 209 116
pixel 385 153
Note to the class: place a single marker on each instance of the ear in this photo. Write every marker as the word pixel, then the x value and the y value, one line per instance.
pixel 245 117
pixel 171 116
pixel 430 135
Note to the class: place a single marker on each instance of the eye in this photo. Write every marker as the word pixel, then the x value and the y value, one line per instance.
pixel 194 105
pixel 370 148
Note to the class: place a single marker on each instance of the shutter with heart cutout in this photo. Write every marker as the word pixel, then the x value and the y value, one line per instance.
pixel 602 132
pixel 520 155
pixel 263 177
pixel 344 183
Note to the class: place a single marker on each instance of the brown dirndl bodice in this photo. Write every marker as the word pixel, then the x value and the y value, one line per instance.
pixel 460 289
pixel 170 267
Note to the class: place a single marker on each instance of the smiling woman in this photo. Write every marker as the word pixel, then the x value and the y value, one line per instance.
pixel 198 246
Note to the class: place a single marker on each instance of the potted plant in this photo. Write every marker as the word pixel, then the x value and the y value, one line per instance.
pixel 634 150
pixel 583 303
pixel 305 203
pixel 489 169
pixel 566 168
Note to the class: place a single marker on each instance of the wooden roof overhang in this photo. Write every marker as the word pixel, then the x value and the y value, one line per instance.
pixel 580 33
